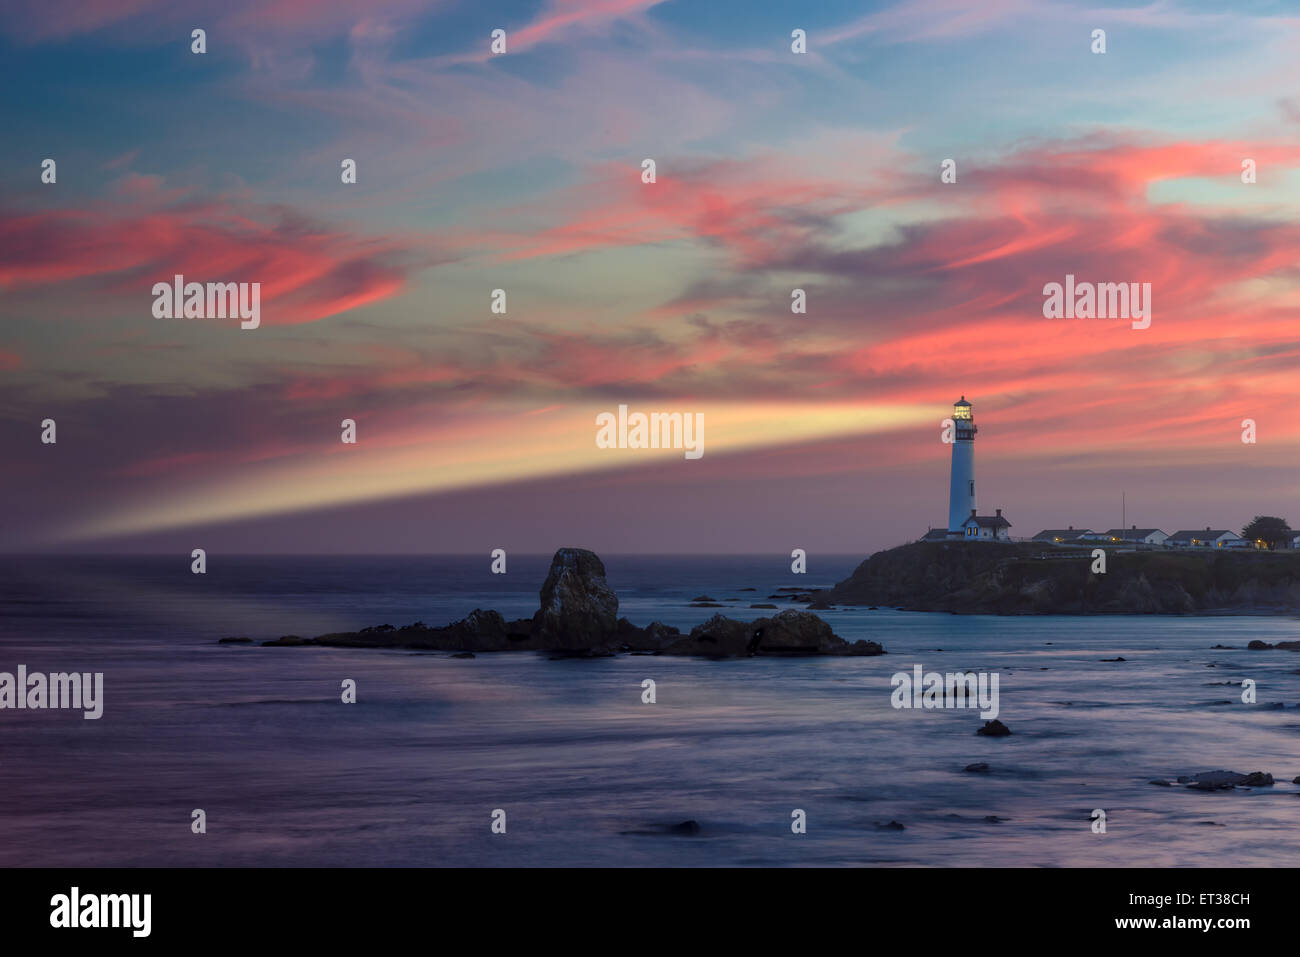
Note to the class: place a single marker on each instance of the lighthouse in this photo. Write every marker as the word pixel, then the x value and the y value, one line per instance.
pixel 961 490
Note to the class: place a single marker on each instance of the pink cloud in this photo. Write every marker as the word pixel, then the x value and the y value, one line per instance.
pixel 308 272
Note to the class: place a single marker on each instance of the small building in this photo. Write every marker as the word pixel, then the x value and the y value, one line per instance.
pixel 1135 535
pixel 1203 538
pixel 1060 536
pixel 936 535
pixel 986 528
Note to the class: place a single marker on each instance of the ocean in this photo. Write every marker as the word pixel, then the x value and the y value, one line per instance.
pixel 586 773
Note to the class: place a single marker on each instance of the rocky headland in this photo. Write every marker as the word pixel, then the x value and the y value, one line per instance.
pixel 1033 579
pixel 579 617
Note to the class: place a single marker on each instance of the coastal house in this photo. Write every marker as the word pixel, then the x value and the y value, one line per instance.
pixel 986 527
pixel 1060 536
pixel 1203 538
pixel 1135 535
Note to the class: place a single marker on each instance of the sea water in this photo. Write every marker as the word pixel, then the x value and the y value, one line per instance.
pixel 587 774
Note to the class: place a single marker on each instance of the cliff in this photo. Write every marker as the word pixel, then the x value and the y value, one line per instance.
pixel 1033 579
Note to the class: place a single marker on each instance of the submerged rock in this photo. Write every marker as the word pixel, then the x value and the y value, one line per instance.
pixel 684 829
pixel 994 728
pixel 1226 780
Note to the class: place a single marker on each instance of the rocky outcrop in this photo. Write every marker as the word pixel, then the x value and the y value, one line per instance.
pixel 789 633
pixel 480 630
pixel 579 609
pixel 579 616
pixel 1031 579
pixel 1226 780
pixel 646 640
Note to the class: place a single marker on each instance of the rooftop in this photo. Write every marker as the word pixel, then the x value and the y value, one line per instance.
pixel 1061 534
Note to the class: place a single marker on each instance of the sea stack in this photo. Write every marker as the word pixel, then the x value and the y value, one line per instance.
pixel 579 610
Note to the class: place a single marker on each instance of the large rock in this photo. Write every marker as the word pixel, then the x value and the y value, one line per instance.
pixel 579 609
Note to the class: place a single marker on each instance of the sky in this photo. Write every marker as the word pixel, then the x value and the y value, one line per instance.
pixel 523 171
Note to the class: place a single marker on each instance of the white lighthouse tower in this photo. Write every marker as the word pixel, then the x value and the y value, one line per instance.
pixel 961 491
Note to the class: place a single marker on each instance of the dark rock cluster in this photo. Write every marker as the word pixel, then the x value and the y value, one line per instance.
pixel 579 616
